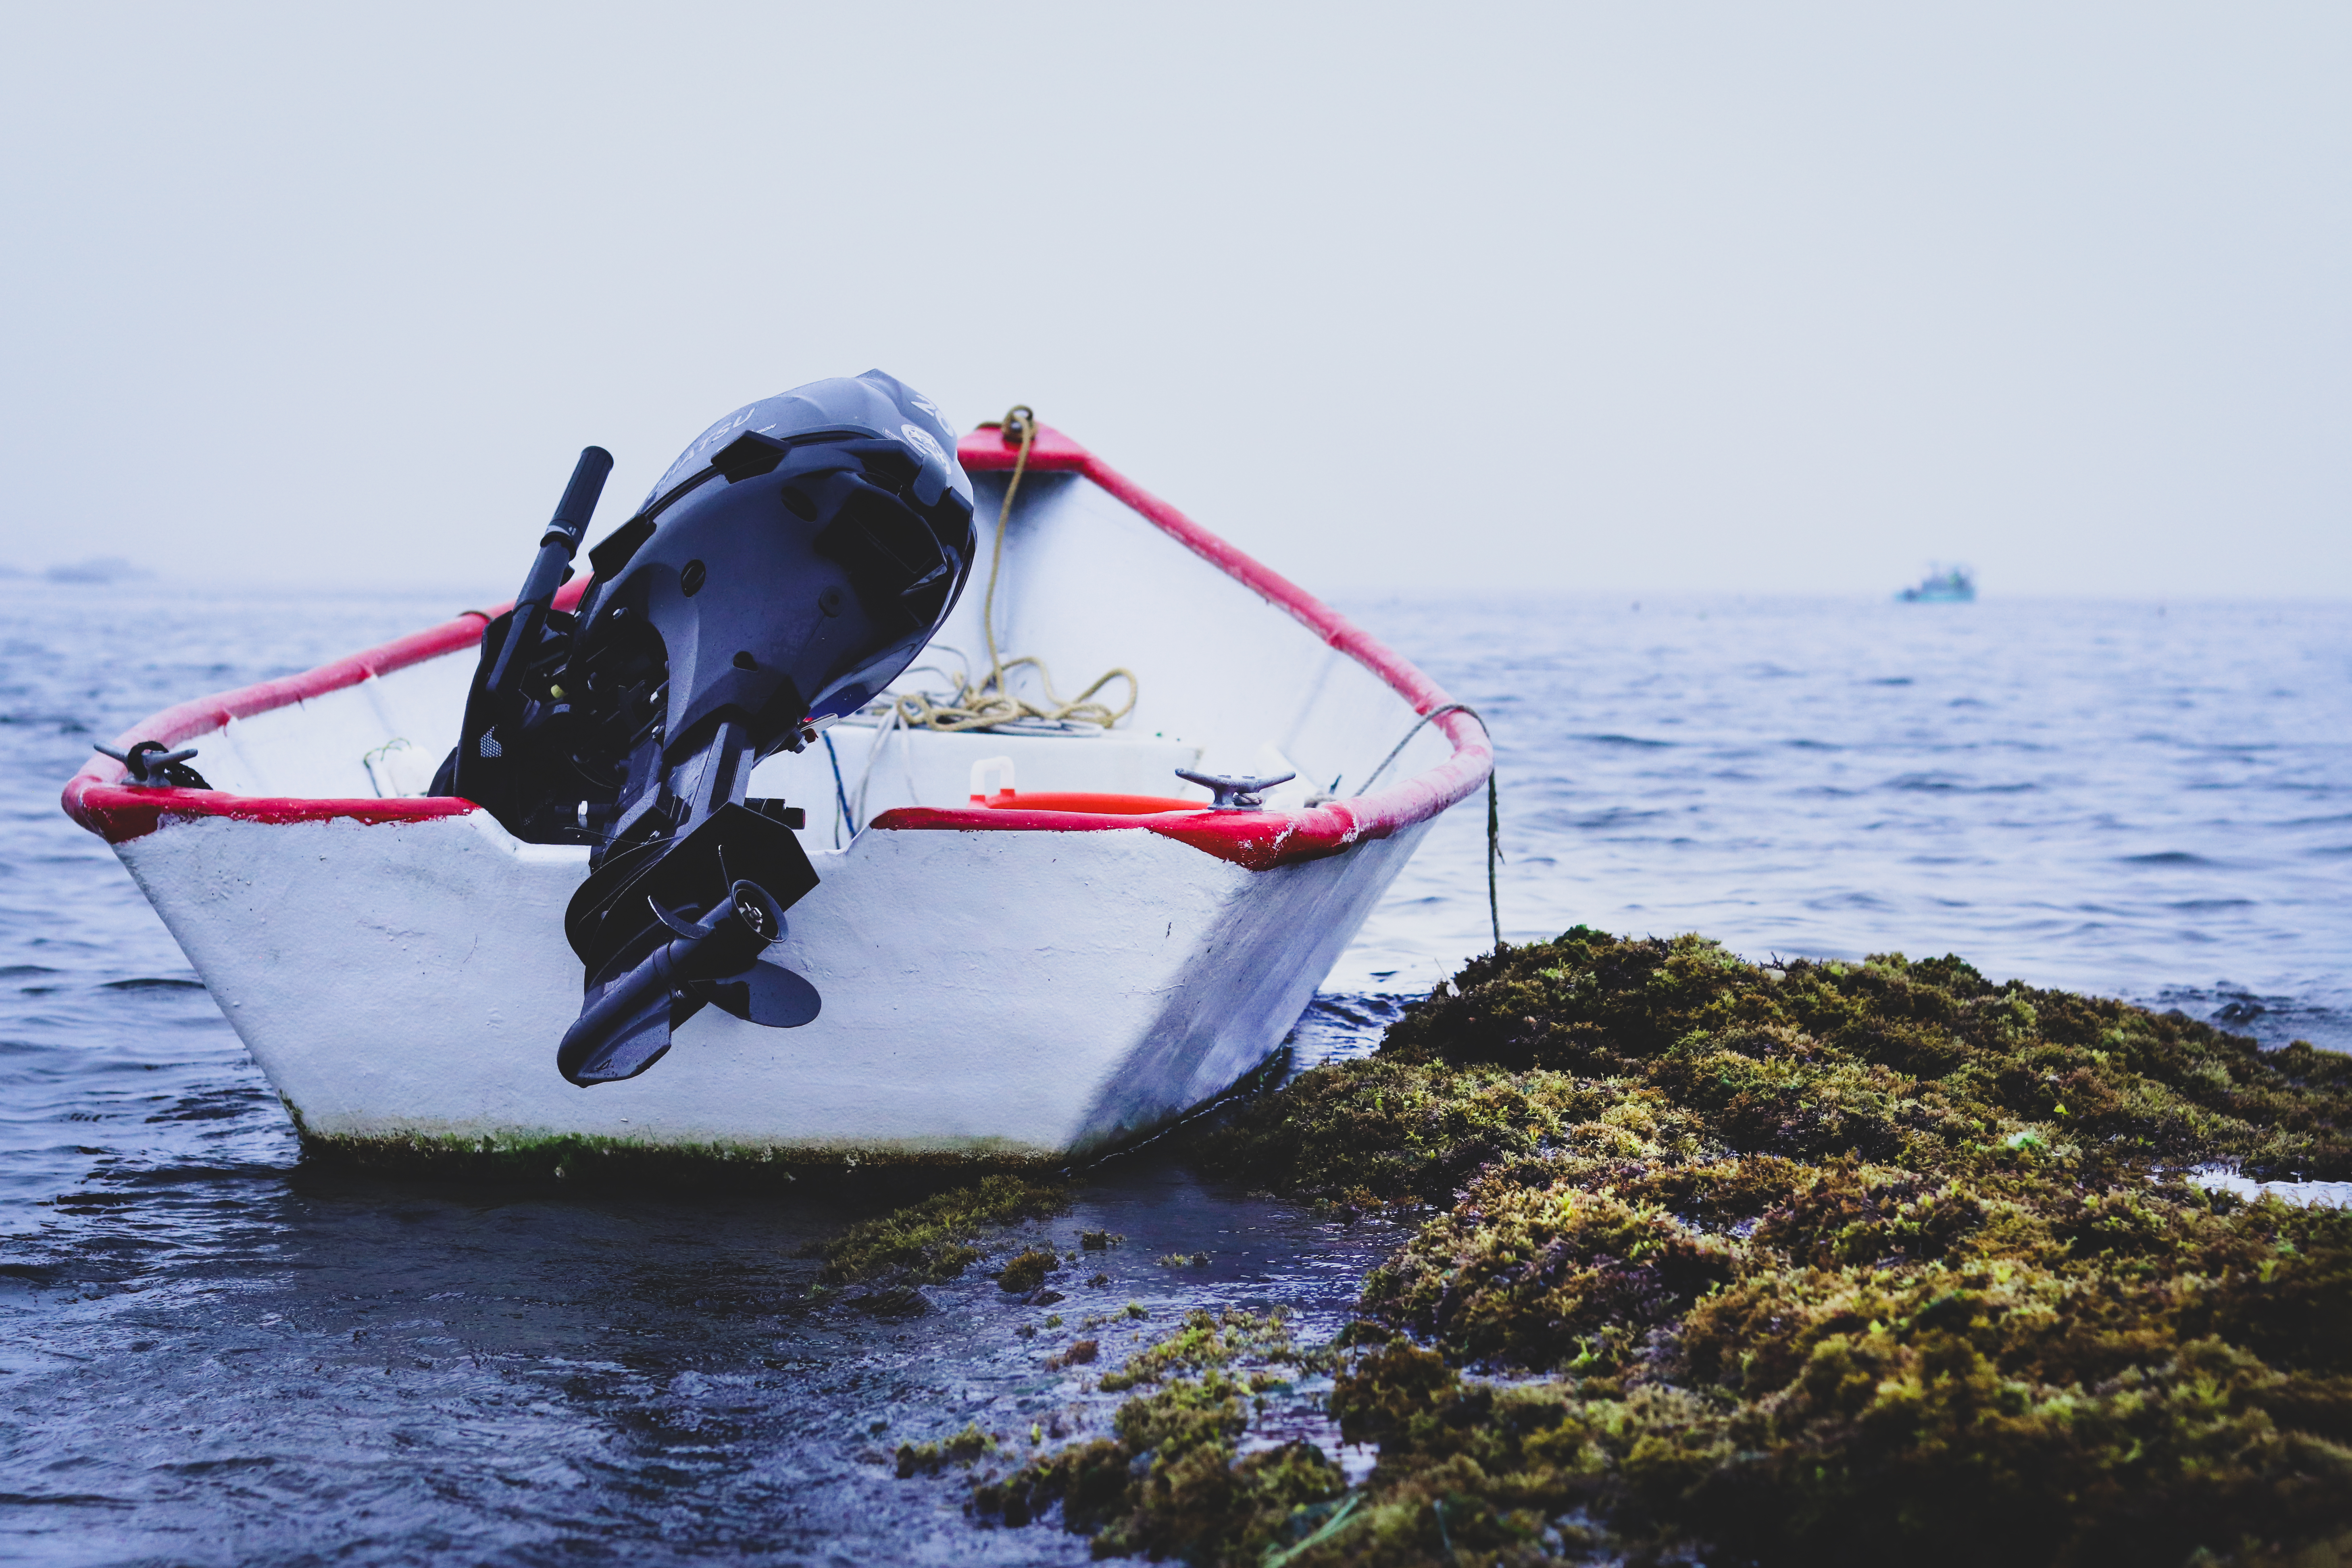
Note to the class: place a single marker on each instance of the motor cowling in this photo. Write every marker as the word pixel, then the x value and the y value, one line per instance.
pixel 787 568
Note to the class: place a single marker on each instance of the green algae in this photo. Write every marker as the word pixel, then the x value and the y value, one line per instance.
pixel 1203 1340
pixel 930 1241
pixel 1655 1050
pixel 1028 1270
pixel 1168 1481
pixel 965 1447
pixel 1822 1263
pixel 575 1160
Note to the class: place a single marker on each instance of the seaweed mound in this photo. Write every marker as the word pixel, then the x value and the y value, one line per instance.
pixel 928 1242
pixel 1822 1263
pixel 1168 1481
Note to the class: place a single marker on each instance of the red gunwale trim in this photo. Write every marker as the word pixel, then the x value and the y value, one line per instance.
pixel 116 812
pixel 1259 840
pixel 98 799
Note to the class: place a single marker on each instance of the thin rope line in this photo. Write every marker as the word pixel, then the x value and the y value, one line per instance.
pixel 1023 418
pixel 1494 806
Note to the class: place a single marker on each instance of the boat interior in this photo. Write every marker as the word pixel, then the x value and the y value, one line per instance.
pixel 1223 681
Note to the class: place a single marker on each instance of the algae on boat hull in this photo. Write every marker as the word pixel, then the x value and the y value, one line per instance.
pixel 510 1153
pixel 1822 1264
pixel 578 1160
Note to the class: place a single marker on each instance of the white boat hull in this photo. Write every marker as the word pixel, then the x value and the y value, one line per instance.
pixel 1008 985
pixel 986 994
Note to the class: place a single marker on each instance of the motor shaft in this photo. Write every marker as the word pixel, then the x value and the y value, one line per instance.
pixel 626 1027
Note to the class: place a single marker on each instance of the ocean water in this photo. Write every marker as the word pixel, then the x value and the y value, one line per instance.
pixel 2140 800
pixel 212 1354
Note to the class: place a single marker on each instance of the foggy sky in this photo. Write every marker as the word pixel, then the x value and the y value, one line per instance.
pixel 1778 298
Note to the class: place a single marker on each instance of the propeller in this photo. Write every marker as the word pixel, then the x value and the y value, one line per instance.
pixel 713 959
pixel 765 994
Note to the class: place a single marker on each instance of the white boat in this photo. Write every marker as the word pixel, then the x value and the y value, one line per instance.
pixel 1030 946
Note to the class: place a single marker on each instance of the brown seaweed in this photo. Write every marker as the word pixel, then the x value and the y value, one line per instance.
pixel 1819 1263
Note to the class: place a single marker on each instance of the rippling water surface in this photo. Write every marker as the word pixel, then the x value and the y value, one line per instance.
pixel 210 1355
pixel 2140 800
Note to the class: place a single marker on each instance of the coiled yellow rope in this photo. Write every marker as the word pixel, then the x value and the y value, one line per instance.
pixel 993 702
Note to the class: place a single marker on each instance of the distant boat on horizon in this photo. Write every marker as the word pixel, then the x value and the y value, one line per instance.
pixel 1942 585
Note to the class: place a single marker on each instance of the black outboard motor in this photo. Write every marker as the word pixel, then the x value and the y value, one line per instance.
pixel 791 564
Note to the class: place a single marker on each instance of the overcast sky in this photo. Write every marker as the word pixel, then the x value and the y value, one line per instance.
pixel 1627 298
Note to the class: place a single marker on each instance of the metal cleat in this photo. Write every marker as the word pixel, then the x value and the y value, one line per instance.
pixel 1232 793
pixel 152 767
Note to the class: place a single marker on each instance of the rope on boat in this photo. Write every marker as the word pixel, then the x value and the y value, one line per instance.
pixel 896 724
pixel 1494 809
pixel 992 702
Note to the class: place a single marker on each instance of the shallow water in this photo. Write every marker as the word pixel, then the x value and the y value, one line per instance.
pixel 209 1354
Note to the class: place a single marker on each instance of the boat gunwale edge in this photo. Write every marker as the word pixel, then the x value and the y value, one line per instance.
pixel 1258 840
pixel 98 799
